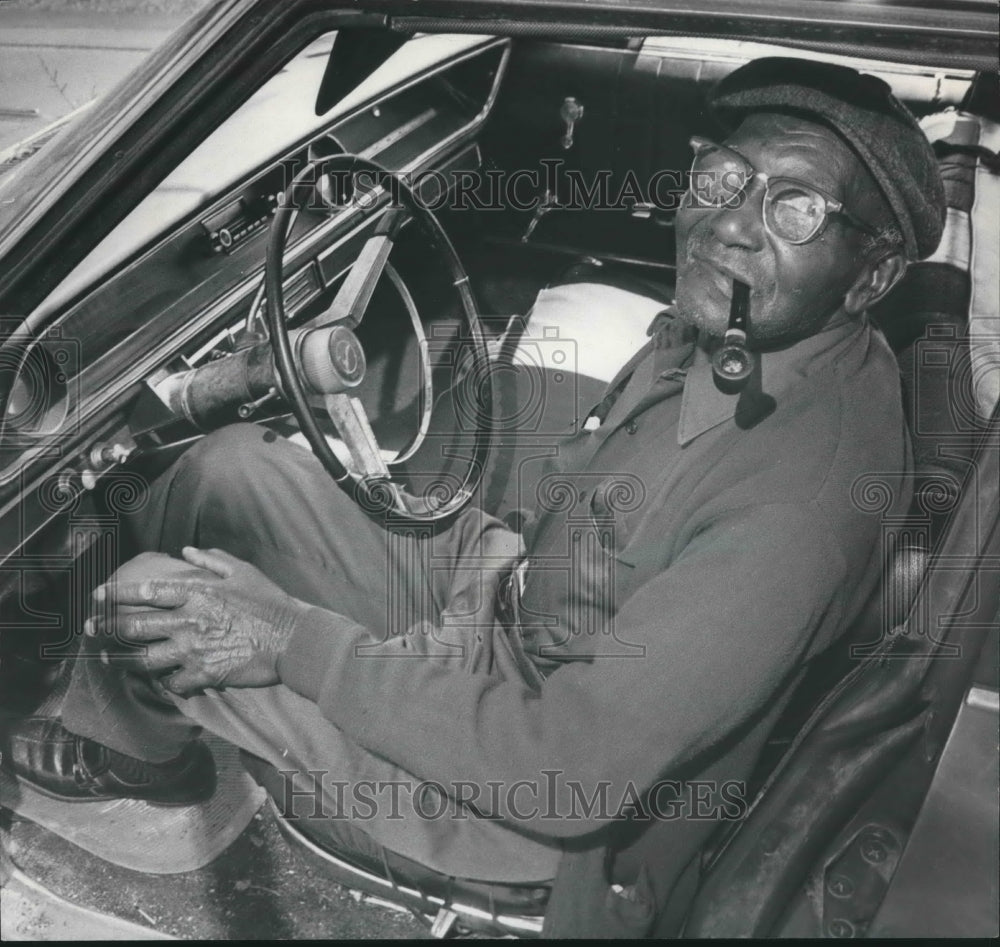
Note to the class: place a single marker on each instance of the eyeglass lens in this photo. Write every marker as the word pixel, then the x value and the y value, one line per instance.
pixel 792 211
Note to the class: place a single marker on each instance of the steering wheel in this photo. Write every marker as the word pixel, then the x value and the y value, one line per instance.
pixel 327 359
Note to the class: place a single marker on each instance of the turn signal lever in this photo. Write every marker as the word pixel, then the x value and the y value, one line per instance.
pixel 330 361
pixel 734 363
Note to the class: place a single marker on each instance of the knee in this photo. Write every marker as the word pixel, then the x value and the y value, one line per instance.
pixel 247 464
pixel 229 452
pixel 229 484
pixel 234 462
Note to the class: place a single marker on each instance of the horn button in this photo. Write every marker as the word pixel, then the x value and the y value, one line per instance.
pixel 331 358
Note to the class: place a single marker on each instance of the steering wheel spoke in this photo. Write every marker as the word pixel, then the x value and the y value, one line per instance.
pixel 326 358
pixel 351 421
pixel 351 302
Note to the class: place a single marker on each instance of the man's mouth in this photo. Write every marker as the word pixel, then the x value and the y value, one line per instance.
pixel 721 274
pixel 717 281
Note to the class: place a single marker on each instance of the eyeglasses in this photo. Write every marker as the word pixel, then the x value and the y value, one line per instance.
pixel 794 211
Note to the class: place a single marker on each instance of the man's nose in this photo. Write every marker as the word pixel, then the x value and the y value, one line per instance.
pixel 742 225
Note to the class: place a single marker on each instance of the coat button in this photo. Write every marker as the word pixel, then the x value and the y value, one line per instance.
pixel 631 426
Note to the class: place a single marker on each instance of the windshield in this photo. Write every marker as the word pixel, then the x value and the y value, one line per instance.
pixel 256 132
pixel 58 57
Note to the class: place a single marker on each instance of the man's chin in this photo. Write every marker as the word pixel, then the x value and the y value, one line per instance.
pixel 704 318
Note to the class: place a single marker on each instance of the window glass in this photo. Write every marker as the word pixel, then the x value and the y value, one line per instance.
pixel 276 117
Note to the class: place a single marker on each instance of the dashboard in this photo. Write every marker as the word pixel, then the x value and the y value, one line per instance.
pixel 173 284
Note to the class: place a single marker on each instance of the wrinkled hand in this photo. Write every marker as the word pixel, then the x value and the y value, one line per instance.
pixel 226 629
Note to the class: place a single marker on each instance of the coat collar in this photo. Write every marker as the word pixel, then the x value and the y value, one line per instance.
pixel 704 407
pixel 681 357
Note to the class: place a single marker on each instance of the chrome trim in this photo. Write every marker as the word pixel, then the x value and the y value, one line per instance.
pixel 398 134
pixel 425 366
pixel 956 241
pixel 479 117
pixel 984 698
pixel 736 51
pixel 517 922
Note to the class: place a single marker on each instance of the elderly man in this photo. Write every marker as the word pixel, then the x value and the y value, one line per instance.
pixel 695 547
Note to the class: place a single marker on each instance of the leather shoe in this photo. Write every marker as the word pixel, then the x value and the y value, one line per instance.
pixel 58 763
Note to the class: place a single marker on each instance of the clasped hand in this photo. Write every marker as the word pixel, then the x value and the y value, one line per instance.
pixel 224 627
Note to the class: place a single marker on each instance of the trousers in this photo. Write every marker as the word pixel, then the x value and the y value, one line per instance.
pixel 270 502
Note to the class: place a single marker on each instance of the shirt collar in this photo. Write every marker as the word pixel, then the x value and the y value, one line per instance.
pixel 704 407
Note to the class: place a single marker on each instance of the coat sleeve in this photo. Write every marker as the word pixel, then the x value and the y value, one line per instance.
pixel 720 630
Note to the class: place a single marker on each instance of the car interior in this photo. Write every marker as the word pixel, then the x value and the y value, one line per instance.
pixel 531 153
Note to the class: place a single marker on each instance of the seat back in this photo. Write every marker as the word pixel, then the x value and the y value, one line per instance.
pixel 554 365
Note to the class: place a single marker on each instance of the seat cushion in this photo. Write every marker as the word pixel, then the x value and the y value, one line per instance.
pixel 553 367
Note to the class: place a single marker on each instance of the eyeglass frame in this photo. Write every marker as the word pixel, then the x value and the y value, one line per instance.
pixel 831 204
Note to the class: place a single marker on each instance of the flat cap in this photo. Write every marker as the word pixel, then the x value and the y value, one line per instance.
pixel 861 108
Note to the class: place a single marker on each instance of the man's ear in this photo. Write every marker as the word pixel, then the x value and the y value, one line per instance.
pixel 876 278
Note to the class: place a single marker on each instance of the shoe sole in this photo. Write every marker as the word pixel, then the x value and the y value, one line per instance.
pixel 24 782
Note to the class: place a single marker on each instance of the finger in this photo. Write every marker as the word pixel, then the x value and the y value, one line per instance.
pixel 153 658
pixel 144 626
pixel 186 682
pixel 218 561
pixel 127 660
pixel 160 593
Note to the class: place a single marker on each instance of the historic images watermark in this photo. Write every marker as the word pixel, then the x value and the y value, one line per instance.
pixel 553 183
pixel 318 794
